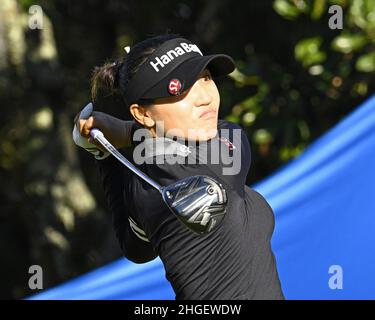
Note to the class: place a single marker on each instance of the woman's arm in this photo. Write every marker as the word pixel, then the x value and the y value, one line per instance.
pixel 117 131
pixel 132 239
pixel 129 236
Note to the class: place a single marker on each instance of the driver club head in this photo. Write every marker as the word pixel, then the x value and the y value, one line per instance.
pixel 199 202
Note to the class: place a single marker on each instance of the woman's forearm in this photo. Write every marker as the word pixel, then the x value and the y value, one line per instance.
pixel 117 131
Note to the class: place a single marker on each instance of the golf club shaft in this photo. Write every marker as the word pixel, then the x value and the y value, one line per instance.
pixel 99 136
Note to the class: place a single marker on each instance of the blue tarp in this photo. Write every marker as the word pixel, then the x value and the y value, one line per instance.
pixel 324 204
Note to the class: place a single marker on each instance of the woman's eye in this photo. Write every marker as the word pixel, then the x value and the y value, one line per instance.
pixel 207 77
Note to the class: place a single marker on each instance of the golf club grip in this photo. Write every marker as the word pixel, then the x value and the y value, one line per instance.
pixel 99 136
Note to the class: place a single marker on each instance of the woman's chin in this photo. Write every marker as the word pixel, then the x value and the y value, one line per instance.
pixel 202 134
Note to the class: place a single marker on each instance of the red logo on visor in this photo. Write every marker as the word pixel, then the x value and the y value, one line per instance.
pixel 174 87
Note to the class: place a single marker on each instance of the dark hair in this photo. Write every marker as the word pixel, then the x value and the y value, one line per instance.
pixel 113 77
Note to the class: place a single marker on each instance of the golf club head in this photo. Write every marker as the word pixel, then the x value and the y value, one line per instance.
pixel 199 202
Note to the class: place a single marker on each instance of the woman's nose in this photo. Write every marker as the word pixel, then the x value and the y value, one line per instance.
pixel 201 94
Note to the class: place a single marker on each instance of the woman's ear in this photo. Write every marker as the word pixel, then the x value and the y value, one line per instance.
pixel 141 115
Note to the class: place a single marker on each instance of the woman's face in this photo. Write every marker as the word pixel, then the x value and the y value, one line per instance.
pixel 192 115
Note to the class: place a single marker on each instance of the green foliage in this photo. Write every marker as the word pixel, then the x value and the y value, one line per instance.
pixel 330 67
pixel 308 51
pixel 287 9
pixel 347 43
pixel 366 62
pixel 26 4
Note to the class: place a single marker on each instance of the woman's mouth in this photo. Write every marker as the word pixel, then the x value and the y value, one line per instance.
pixel 207 114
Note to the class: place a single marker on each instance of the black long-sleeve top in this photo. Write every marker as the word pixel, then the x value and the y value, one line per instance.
pixel 235 261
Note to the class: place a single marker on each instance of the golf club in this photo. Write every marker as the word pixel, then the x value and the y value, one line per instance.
pixel 199 202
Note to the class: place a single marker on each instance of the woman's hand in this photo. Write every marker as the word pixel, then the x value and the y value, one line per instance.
pixel 112 128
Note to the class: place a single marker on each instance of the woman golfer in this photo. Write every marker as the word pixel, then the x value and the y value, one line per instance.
pixel 167 84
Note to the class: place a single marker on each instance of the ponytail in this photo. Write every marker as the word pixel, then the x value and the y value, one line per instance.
pixel 104 79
